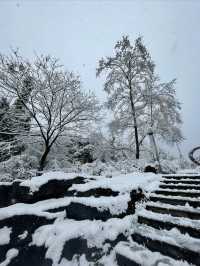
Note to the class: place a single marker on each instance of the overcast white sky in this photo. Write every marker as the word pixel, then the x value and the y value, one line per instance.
pixel 81 32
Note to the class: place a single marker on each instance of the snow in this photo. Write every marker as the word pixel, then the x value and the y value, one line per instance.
pixel 23 235
pixel 123 183
pixel 116 205
pixel 11 254
pixel 180 185
pixel 173 237
pixel 36 182
pixel 144 256
pixel 168 218
pixel 189 171
pixel 5 235
pixel 180 180
pixel 193 175
pixel 24 209
pixel 54 236
pixel 194 199
pixel 187 207
pixel 191 191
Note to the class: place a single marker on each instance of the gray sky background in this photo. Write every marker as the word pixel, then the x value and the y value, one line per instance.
pixel 81 32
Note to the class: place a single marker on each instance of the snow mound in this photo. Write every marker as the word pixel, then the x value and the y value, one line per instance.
pixel 123 183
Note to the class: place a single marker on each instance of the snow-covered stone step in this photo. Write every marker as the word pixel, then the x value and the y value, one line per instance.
pixel 179 186
pixel 161 224
pixel 182 193
pixel 186 207
pixel 175 200
pixel 164 221
pixel 102 208
pixel 38 188
pixel 19 229
pixel 67 238
pixel 176 212
pixel 133 254
pixel 178 177
pixel 26 256
pixel 170 243
pixel 177 182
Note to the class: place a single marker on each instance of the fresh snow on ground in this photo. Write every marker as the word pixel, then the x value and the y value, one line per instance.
pixel 24 209
pixel 54 236
pixel 11 254
pixel 123 183
pixel 116 205
pixel 144 256
pixel 168 218
pixel 5 235
pixel 96 232
pixel 173 237
pixel 36 182
pixel 189 171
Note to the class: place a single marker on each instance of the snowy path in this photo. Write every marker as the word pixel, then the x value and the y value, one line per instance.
pixel 168 229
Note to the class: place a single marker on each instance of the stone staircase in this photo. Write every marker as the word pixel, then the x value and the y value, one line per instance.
pixel 168 230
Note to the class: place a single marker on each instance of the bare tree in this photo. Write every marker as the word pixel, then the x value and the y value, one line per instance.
pixel 127 72
pixel 54 99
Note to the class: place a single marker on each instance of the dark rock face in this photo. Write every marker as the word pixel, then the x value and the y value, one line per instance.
pixel 5 195
pixel 136 196
pixel 28 255
pixel 79 246
pixel 97 192
pixel 21 223
pixel 80 211
pixel 31 256
pixel 13 193
pixel 124 261
pixel 150 169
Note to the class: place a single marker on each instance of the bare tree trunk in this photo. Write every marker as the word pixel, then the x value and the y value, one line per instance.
pixel 153 143
pixel 137 144
pixel 137 147
pixel 43 159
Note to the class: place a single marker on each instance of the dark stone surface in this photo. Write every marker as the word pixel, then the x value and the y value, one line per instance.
pixel 31 256
pixel 150 169
pixel 79 246
pixel 19 224
pixel 5 195
pixel 78 211
pixel 14 193
pixel 97 192
pixel 28 255
pixel 125 261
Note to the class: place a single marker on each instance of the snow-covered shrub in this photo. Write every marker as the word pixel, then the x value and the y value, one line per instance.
pixel 18 167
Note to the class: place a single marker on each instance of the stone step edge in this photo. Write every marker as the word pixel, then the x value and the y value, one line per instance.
pixel 173 237
pixel 168 225
pixel 167 249
pixel 131 254
pixel 174 207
